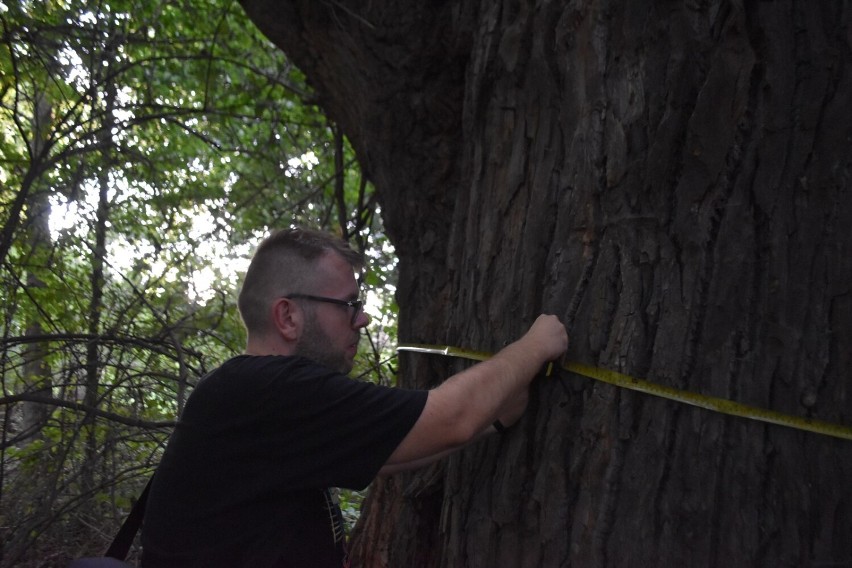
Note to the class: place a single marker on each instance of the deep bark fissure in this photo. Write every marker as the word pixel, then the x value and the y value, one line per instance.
pixel 591 252
pixel 609 502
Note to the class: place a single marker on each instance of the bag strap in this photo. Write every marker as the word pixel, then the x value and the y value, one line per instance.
pixel 124 538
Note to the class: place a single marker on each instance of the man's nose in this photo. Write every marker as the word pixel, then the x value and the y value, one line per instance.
pixel 361 320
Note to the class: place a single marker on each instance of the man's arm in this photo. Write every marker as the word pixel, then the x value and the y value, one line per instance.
pixel 507 417
pixel 466 404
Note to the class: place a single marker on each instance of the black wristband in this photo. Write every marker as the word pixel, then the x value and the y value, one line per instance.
pixel 499 426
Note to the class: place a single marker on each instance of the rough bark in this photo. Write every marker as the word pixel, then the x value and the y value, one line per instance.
pixel 673 180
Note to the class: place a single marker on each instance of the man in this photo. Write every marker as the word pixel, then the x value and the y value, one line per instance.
pixel 244 479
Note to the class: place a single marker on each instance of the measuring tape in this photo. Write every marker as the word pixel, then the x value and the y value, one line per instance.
pixel 721 405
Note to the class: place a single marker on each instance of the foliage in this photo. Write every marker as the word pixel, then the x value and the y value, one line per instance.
pixel 145 147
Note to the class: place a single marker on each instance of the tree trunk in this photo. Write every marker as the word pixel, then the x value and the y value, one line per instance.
pixel 34 415
pixel 673 180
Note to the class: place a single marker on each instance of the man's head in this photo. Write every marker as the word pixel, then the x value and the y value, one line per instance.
pixel 294 294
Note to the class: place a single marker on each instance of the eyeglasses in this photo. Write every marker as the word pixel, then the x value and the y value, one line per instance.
pixel 356 305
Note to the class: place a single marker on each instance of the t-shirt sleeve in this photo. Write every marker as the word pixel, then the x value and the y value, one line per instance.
pixel 302 423
pixel 367 423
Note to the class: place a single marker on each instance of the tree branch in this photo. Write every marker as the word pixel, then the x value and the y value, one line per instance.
pixel 111 416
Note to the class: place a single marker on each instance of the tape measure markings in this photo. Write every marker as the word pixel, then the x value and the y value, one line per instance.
pixel 716 404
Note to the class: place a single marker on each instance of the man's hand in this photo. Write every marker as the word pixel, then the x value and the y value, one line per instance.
pixel 547 335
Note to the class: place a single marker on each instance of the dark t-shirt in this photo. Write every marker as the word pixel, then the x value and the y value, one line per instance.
pixel 244 479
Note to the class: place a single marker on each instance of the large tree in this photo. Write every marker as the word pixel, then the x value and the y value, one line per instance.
pixel 675 181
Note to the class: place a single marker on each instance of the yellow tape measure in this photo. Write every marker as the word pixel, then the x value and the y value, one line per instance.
pixel 721 405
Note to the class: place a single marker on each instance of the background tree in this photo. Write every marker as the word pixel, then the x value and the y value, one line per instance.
pixel 673 180
pixel 144 151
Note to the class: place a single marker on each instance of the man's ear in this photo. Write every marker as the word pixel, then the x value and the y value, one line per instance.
pixel 288 319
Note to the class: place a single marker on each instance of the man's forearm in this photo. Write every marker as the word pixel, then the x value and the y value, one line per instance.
pixel 512 411
pixel 492 388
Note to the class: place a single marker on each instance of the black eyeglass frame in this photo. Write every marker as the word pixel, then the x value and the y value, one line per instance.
pixel 356 305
